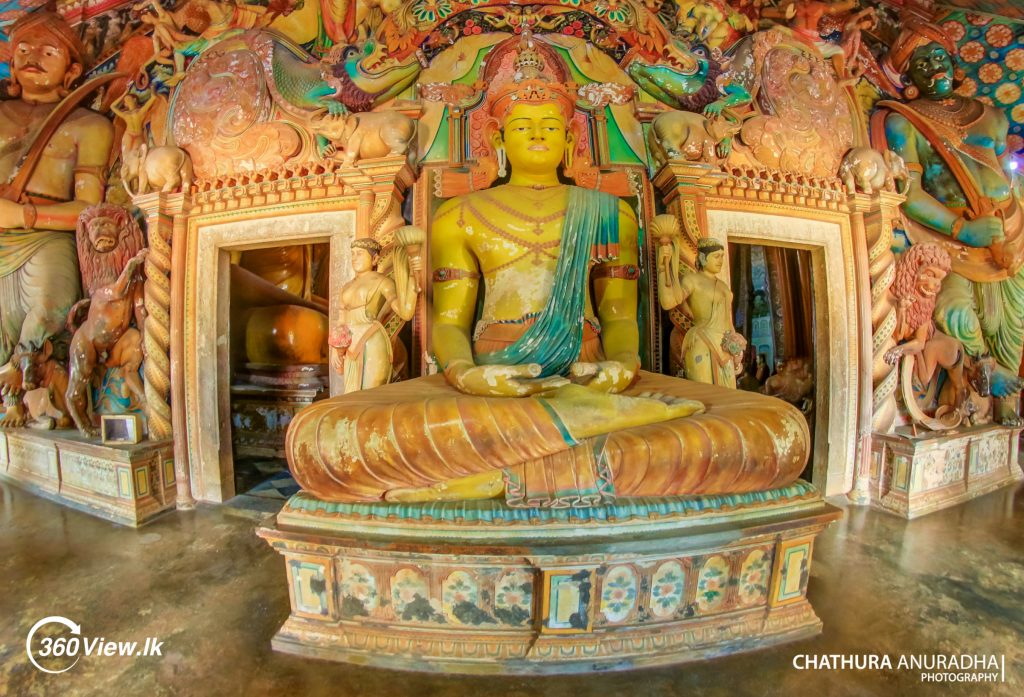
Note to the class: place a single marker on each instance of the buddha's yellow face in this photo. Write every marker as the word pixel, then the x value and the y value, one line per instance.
pixel 535 137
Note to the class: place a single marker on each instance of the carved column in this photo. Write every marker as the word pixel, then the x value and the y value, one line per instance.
pixel 873 218
pixel 166 216
pixel 879 226
pixel 683 186
pixel 381 185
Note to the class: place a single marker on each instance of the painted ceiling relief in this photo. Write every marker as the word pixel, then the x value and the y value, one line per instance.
pixel 992 54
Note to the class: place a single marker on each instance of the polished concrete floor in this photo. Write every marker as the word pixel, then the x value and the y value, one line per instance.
pixel 214 593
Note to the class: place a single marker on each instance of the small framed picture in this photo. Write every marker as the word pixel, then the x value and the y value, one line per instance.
pixel 120 428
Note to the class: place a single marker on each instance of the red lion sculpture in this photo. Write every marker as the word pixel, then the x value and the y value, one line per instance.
pixel 111 253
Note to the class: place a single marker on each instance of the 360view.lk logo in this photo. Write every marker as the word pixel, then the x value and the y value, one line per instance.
pixel 55 645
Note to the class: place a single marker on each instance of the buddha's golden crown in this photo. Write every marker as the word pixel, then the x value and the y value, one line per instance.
pixel 530 85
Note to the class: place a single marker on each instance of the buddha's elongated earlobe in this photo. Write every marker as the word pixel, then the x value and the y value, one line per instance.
pixel 502 161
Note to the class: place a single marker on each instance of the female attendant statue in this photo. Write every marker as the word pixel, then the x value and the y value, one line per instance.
pixel 711 349
pixel 374 308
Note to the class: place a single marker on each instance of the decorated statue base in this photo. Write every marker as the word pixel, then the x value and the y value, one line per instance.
pixel 912 476
pixel 478 587
pixel 126 484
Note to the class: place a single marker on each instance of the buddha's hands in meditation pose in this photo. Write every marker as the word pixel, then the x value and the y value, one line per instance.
pixel 524 380
pixel 501 380
pixel 605 376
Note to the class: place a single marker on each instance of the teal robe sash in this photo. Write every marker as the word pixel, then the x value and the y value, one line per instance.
pixel 590 231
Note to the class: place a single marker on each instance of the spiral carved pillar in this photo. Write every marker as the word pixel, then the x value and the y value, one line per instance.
pixel 872 223
pixel 157 333
pixel 882 269
pixel 164 213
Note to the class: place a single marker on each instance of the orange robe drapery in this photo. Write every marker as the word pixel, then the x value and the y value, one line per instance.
pixel 421 432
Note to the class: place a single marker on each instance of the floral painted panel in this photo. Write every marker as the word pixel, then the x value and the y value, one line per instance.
pixel 460 596
pixel 991 52
pixel 712 584
pixel 618 593
pixel 513 598
pixel 358 589
pixel 667 586
pixel 755 575
pixel 408 590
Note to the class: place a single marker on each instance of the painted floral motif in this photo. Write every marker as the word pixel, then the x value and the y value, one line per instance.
pixel 972 52
pixel 667 589
pixel 457 591
pixel 712 583
pixel 954 29
pixel 358 586
pixel 574 28
pixel 612 10
pixel 990 73
pixel 429 11
pixel 408 586
pixel 999 35
pixel 513 598
pixel 618 593
pixel 1015 59
pixel 754 576
pixel 967 88
pixel 992 54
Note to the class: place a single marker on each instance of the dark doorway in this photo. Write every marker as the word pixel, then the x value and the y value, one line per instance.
pixel 773 308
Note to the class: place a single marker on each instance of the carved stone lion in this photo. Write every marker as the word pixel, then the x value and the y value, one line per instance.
pixel 111 253
pixel 920 272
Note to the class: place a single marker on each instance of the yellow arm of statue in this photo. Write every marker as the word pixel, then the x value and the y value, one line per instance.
pixel 95 137
pixel 616 300
pixel 454 301
pixel 404 288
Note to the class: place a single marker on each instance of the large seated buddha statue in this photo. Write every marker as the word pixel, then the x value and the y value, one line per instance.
pixel 534 320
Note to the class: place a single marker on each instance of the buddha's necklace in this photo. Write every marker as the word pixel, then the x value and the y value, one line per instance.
pixel 537 223
pixel 538 249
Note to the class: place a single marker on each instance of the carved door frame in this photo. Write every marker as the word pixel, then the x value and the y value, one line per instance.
pixel 211 237
pixel 827 236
